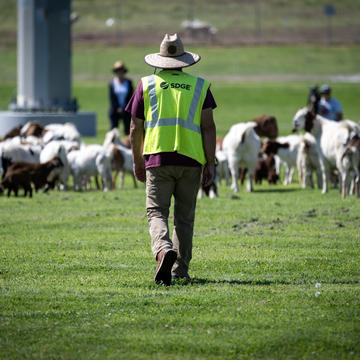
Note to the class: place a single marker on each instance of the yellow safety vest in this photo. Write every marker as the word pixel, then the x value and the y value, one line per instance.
pixel 173 102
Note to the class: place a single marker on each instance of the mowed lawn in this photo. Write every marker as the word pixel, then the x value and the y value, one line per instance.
pixel 276 272
pixel 276 275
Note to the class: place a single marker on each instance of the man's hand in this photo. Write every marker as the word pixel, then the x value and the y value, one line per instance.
pixel 139 171
pixel 208 132
pixel 208 174
pixel 137 140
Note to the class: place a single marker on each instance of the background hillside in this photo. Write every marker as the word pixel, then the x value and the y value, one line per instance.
pixel 235 21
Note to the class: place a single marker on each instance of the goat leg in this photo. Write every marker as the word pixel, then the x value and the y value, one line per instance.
pixel 116 172
pixel 97 183
pixel 135 183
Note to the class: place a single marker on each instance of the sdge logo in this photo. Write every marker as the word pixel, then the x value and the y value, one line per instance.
pixel 164 85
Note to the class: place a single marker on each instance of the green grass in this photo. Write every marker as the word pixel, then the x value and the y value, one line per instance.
pixel 76 269
pixel 76 278
pixel 95 62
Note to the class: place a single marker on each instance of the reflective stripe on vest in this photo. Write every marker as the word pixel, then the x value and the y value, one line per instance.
pixel 188 123
pixel 173 103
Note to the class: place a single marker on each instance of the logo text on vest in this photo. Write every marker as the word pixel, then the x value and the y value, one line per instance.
pixel 164 85
pixel 182 86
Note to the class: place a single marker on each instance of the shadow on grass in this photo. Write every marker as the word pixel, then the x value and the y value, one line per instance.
pixel 200 281
pixel 276 190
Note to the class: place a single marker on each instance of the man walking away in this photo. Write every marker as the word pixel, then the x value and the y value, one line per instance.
pixel 173 139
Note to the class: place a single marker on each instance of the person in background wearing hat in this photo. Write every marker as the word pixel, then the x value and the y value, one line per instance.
pixel 173 137
pixel 120 92
pixel 329 107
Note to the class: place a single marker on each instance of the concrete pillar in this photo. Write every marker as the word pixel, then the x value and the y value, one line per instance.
pixel 44 69
pixel 44 55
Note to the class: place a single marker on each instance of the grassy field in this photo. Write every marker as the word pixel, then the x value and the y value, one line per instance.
pixel 76 278
pixel 276 273
pixel 93 63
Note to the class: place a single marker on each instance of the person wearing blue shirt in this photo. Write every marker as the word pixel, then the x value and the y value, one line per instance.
pixel 329 107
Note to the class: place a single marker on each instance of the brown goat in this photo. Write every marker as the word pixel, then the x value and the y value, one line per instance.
pixel 13 132
pixel 40 175
pixel 272 176
pixel 272 147
pixel 265 169
pixel 266 126
pixel 14 180
pixel 34 129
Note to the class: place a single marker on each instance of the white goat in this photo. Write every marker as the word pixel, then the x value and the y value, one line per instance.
pixel 222 168
pixel 28 140
pixel 330 136
pixel 241 146
pixel 19 152
pixel 56 149
pixel 285 151
pixel 89 161
pixel 308 162
pixel 288 155
pixel 122 163
pixel 65 131
pixel 113 137
pixel 350 161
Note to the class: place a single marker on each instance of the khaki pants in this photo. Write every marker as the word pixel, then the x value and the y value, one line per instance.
pixel 161 183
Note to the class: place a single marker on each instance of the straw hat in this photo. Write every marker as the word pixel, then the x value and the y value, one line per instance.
pixel 172 55
pixel 119 65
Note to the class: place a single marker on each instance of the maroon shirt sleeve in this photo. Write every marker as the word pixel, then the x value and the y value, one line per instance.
pixel 209 101
pixel 136 104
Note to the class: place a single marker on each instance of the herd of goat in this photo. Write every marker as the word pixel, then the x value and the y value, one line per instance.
pixel 35 157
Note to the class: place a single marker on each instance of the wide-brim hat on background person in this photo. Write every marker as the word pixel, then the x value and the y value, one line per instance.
pixel 172 55
pixel 119 66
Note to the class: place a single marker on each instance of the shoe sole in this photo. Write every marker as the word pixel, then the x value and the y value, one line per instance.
pixel 163 273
